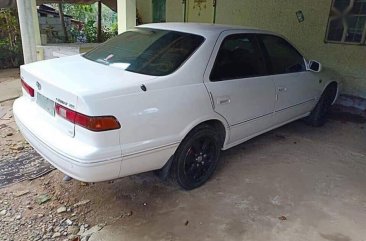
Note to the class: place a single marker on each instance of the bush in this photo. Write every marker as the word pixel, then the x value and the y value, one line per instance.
pixel 88 33
pixel 10 56
pixel 10 41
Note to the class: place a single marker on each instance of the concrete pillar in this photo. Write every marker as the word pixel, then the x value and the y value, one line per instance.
pixel 126 10
pixel 29 29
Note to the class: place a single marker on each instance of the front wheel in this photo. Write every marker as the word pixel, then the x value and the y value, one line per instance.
pixel 318 116
pixel 197 157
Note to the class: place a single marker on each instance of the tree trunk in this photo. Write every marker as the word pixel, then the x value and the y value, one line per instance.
pixel 99 27
pixel 10 39
pixel 62 18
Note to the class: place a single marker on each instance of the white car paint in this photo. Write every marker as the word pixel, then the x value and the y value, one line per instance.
pixel 153 122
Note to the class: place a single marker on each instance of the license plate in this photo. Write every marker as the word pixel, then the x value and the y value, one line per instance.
pixel 47 104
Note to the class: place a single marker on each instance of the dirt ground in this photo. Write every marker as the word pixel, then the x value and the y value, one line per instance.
pixel 294 183
pixel 9 74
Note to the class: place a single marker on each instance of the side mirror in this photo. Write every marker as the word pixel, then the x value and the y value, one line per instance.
pixel 314 66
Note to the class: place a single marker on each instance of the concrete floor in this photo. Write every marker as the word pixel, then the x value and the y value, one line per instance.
pixel 10 86
pixel 294 183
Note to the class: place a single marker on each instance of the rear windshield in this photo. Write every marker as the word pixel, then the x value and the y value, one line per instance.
pixel 147 51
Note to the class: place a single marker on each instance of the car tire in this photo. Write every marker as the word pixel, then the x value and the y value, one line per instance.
pixel 318 115
pixel 196 157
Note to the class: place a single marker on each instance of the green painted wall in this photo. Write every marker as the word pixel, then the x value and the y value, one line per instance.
pixel 280 16
pixel 174 11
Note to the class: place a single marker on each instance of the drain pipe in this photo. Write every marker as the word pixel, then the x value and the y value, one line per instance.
pixel 184 2
pixel 214 6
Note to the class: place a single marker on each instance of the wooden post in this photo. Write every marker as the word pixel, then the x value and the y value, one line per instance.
pixel 29 29
pixel 62 18
pixel 126 10
pixel 99 27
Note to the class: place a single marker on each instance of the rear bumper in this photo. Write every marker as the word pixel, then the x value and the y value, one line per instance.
pixel 75 167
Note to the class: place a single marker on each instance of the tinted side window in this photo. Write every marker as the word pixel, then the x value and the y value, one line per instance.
pixel 239 56
pixel 283 57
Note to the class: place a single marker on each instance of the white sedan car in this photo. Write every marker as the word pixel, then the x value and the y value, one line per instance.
pixel 167 97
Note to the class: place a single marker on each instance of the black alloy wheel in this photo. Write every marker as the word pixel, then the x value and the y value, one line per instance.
pixel 197 157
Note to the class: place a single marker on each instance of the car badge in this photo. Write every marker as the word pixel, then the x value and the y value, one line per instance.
pixel 39 86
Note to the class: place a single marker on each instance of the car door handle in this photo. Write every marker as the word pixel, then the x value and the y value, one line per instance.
pixel 223 100
pixel 282 89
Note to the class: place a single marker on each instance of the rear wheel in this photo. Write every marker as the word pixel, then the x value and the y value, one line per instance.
pixel 318 116
pixel 197 157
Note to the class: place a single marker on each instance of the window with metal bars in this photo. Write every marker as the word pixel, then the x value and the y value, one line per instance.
pixel 347 22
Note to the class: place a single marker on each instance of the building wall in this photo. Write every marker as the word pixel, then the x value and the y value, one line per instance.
pixel 51 28
pixel 280 16
pixel 175 11
pixel 144 8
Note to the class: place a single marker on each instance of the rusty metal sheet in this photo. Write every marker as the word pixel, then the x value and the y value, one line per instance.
pixel 27 166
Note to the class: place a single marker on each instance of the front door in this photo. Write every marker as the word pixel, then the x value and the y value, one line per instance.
pixel 159 11
pixel 240 87
pixel 200 11
pixel 296 88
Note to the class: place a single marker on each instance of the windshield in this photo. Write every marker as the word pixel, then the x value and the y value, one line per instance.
pixel 147 51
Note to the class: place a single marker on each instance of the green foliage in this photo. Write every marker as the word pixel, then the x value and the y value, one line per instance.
pixel 10 41
pixel 88 15
pixel 109 17
pixel 114 29
pixel 81 12
pixel 90 31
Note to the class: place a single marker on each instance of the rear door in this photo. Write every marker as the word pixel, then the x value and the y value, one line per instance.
pixel 238 81
pixel 296 88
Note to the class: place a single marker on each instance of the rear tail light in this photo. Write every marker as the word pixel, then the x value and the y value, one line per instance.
pixel 27 88
pixel 93 123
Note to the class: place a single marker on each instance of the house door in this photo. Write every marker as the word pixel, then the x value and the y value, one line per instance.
pixel 200 11
pixel 159 9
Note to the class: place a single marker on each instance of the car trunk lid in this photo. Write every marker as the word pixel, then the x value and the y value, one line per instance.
pixel 46 95
pixel 67 81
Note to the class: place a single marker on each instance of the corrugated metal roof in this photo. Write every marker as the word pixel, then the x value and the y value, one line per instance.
pixel 7 3
pixel 50 10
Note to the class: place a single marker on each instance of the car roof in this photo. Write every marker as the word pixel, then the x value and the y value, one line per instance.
pixel 204 29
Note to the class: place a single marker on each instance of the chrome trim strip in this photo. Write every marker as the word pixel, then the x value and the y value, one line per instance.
pixel 163 147
pixel 114 159
pixel 288 107
pixel 41 142
pixel 242 122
